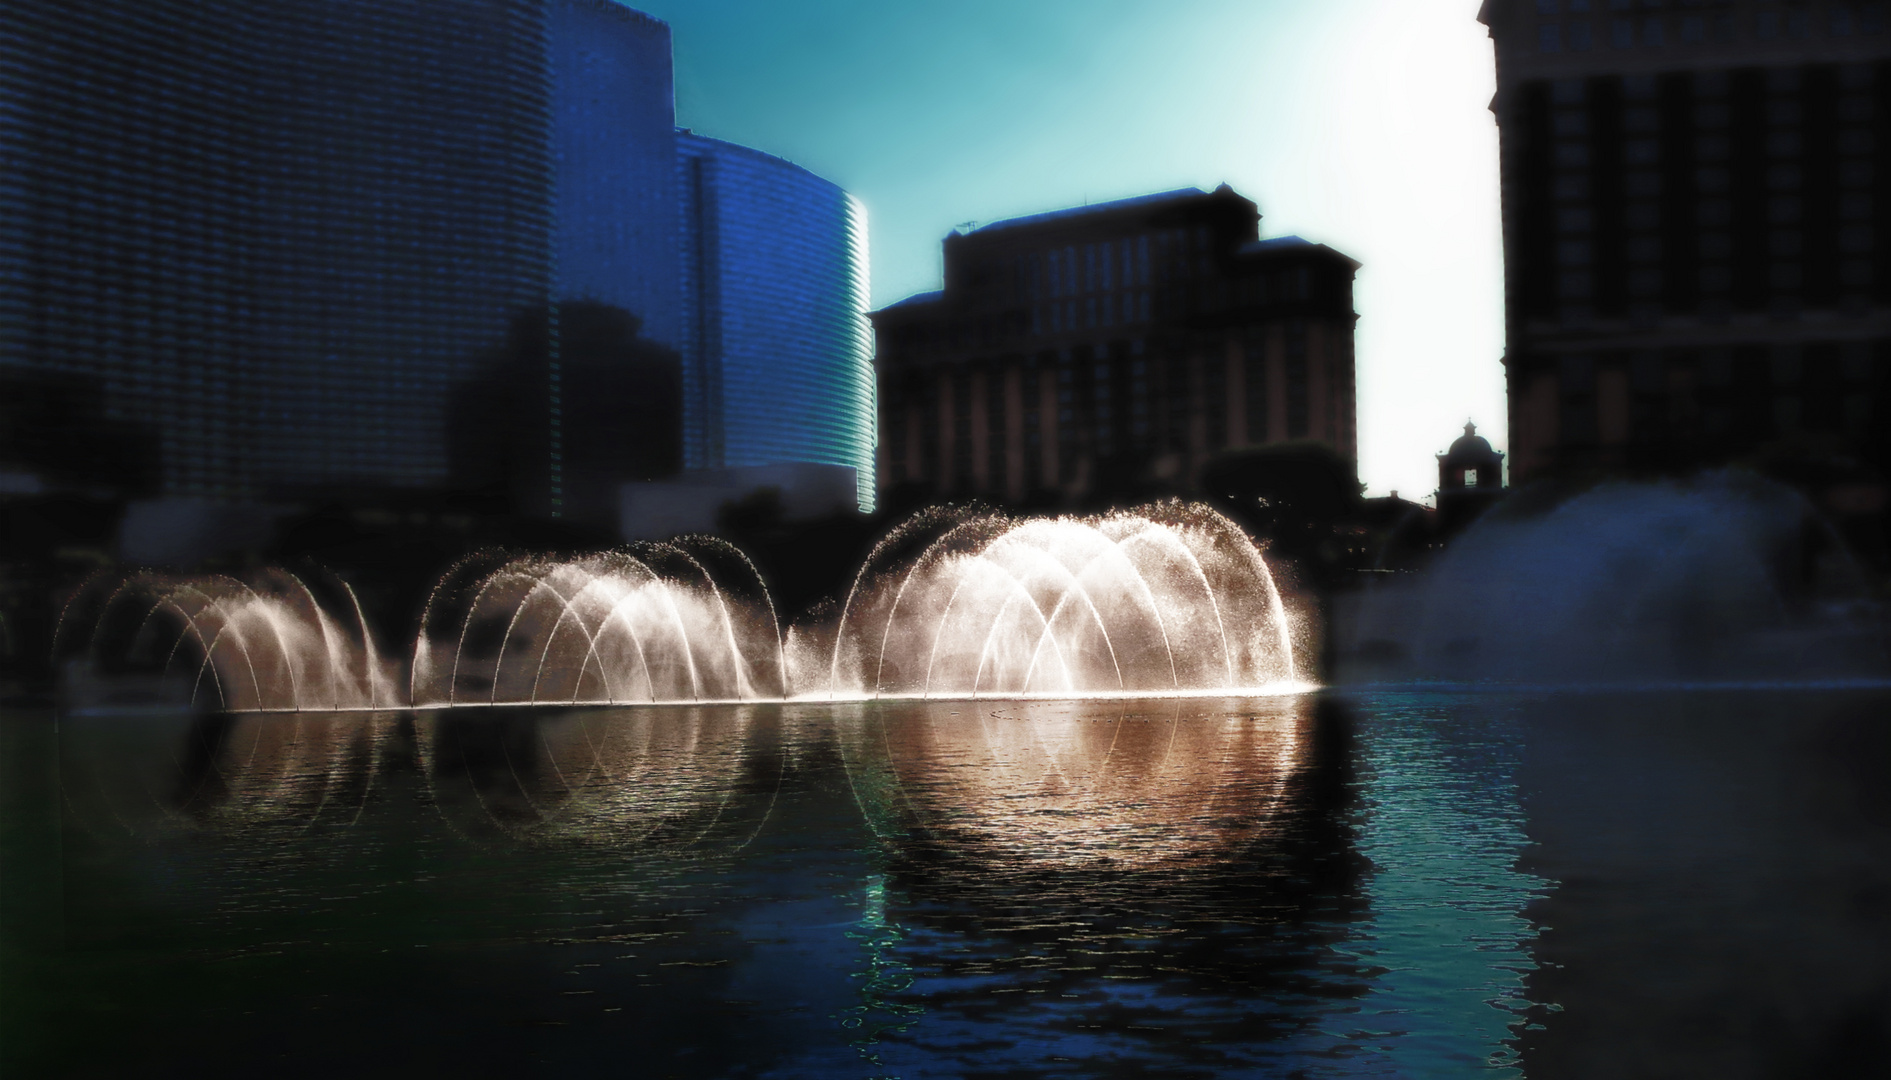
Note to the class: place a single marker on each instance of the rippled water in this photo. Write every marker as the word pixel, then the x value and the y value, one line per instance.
pixel 1320 886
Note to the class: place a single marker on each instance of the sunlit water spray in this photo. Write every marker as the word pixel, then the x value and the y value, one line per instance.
pixel 687 621
pixel 265 643
pixel 1166 600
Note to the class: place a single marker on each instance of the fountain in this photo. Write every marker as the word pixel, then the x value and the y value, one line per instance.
pixel 686 621
pixel 229 644
pixel 1165 600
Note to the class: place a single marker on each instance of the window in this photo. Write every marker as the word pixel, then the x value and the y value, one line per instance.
pixel 1580 37
pixel 1622 33
pixel 1787 365
pixel 1296 372
pixel 1254 383
pixel 1549 38
pixel 1215 400
pixel 995 433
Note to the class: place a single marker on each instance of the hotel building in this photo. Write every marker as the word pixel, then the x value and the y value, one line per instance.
pixel 1110 348
pixel 1697 230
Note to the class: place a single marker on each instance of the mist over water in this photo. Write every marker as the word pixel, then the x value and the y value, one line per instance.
pixel 1727 578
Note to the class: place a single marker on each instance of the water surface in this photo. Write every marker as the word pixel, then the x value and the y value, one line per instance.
pixel 1417 884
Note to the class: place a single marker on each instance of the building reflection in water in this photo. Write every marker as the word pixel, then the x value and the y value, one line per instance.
pixel 1725 870
pixel 665 777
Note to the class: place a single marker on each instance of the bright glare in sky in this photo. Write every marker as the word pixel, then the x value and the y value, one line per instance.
pixel 1361 124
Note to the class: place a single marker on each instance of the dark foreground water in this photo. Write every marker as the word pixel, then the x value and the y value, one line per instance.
pixel 1577 885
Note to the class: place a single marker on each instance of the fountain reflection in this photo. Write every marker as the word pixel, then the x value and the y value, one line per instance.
pixel 1157 882
pixel 650 778
pixel 1129 784
pixel 227 772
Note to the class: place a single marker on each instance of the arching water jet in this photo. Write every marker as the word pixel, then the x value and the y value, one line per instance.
pixel 1167 599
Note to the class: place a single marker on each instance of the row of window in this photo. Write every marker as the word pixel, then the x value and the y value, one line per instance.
pixel 1656 31
pixel 1162 398
pixel 1718 400
pixel 1130 262
pixel 1662 227
pixel 1105 311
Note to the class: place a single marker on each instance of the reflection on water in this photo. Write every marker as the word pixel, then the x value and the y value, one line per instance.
pixel 652 778
pixel 147 775
pixel 1725 869
pixel 1162 885
pixel 1078 784
pixel 1399 885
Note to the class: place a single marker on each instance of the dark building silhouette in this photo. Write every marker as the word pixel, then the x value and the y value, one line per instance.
pixel 1113 349
pixel 274 232
pixel 1470 479
pixel 1697 230
pixel 55 437
pixel 1470 464
pixel 621 419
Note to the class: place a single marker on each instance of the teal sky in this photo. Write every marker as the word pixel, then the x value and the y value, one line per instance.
pixel 1362 124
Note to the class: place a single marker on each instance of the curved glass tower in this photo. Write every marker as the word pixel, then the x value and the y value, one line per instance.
pixel 778 351
pixel 281 235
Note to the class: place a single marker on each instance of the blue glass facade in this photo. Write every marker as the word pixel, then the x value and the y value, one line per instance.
pixel 280 234
pixel 779 354
pixel 613 144
pixel 275 232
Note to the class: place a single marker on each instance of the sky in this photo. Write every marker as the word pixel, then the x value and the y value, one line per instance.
pixel 1360 124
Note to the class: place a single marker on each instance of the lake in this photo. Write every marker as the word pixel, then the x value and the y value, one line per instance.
pixel 1377 883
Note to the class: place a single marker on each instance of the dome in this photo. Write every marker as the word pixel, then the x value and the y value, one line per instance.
pixel 1470 446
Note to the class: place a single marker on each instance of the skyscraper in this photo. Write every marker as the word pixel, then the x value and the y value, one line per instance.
pixel 778 362
pixel 281 234
pixel 274 232
pixel 1101 347
pixel 1697 230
